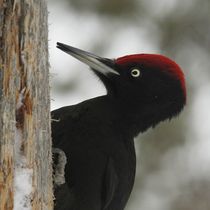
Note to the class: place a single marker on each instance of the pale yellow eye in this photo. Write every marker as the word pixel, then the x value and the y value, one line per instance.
pixel 135 72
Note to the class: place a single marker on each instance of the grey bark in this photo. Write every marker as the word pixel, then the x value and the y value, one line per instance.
pixel 25 101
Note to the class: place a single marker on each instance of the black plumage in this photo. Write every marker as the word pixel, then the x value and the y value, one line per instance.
pixel 97 135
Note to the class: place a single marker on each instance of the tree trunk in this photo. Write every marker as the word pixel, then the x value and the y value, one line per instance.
pixel 25 144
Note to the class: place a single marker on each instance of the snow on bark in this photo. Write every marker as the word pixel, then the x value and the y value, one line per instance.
pixel 22 174
pixel 23 188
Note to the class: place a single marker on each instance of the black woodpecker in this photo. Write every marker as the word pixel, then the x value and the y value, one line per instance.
pixel 94 154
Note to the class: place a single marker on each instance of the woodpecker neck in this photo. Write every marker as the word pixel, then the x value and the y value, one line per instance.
pixel 135 122
pixel 128 117
pixel 131 119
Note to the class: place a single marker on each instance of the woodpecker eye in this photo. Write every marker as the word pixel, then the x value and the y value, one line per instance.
pixel 135 72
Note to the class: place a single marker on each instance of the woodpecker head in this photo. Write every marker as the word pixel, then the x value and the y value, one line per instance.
pixel 149 88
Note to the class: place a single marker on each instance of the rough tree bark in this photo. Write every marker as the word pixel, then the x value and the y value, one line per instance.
pixel 25 145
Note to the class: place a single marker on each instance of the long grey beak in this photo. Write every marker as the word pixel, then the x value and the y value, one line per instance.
pixel 101 65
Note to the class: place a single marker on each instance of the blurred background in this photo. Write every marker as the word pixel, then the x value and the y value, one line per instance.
pixel 173 170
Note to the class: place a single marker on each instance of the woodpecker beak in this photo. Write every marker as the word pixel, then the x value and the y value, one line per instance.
pixel 101 65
